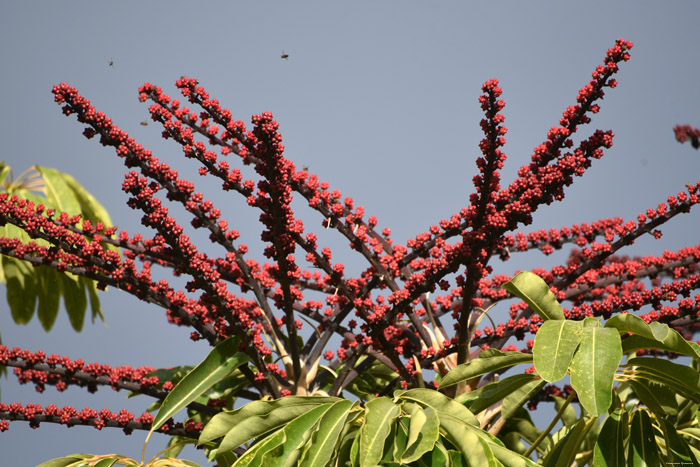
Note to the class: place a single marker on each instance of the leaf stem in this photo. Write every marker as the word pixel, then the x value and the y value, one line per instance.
pixel 549 428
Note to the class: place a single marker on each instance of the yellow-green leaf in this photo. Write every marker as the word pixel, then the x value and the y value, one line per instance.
pixel 222 359
pixel 593 368
pixel 555 344
pixel 484 364
pixel 326 438
pixel 536 293
pixel 379 416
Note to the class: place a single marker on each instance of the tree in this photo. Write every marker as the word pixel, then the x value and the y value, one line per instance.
pixel 399 386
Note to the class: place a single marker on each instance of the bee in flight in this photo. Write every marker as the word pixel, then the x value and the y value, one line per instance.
pixel 144 123
pixel 111 63
pixel 284 56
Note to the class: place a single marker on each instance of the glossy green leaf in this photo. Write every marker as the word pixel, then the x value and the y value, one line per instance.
pixel 21 289
pixel 555 344
pixel 564 452
pixel 252 456
pixel 515 400
pixel 222 359
pixel 498 390
pixel 397 441
pixel 609 449
pixel 593 368
pixel 107 462
pixel 453 420
pixel 49 292
pixel 438 456
pixel 65 461
pixel 257 418
pixel 58 192
pixel 484 364
pixel 325 439
pixel 642 448
pixel 379 415
pixel 225 459
pixel 536 293
pixel 664 338
pixel 681 378
pixel 89 206
pixel 4 171
pixel 423 433
pixel 677 448
pixel 295 435
pixel 74 299
pixel 443 405
pixel 660 399
pixel 627 322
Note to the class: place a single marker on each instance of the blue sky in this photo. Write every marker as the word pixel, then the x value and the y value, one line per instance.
pixel 378 98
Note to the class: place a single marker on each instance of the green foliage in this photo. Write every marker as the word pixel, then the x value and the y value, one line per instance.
pixel 40 288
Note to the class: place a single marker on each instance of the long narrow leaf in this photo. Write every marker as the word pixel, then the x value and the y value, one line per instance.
pixel 257 418
pixel 642 445
pixel 535 291
pixel 324 441
pixel 609 449
pixel 379 415
pixel 423 433
pixel 484 364
pixel 218 364
pixel 296 434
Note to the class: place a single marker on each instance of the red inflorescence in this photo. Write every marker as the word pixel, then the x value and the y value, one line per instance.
pixel 392 310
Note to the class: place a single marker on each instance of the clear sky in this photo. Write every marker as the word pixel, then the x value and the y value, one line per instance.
pixel 378 98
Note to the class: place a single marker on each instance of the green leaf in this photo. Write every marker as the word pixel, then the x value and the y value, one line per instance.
pixel 642 449
pixel 443 405
pixel 438 456
pixel 593 368
pixel 89 206
pixel 252 455
pixel 627 322
pixel 397 440
pixel 49 296
pixel 536 293
pixel 566 449
pixel 484 364
pixel 665 338
pixel 555 344
pixel 379 416
pixel 498 390
pixel 681 378
pixel 222 359
pixel 58 192
pixel 65 461
pixel 609 449
pixel 514 401
pixel 423 433
pixel 295 435
pixel 74 299
pixel 4 172
pixel 21 289
pixel 257 418
pixel 458 423
pixel 660 399
pixel 324 441
pixel 676 446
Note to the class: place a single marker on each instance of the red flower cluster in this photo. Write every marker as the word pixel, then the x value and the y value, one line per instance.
pixel 393 310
